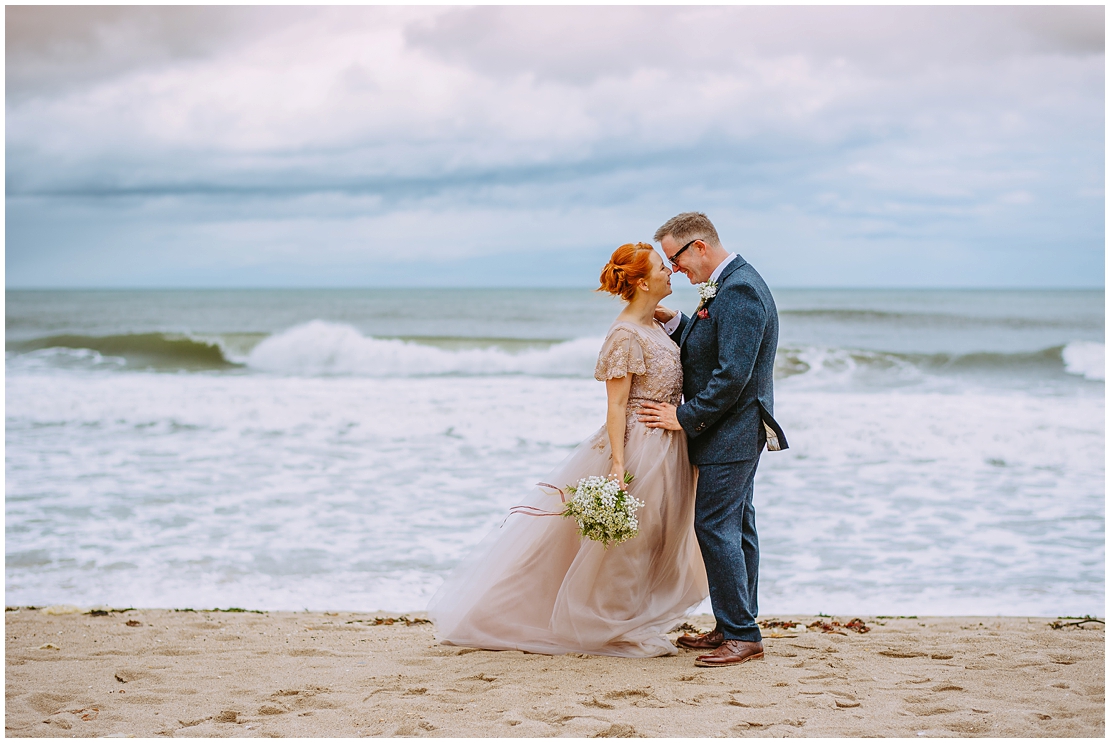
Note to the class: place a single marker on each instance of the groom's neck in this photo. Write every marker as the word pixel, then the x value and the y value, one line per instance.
pixel 716 255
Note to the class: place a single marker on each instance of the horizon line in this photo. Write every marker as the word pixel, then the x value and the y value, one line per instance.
pixel 431 287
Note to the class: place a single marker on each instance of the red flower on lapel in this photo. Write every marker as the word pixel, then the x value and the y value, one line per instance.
pixel 703 313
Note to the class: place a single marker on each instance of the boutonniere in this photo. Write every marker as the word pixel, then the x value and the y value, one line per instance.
pixel 706 291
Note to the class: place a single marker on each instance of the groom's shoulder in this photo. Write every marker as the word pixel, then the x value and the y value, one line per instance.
pixel 742 279
pixel 743 286
pixel 743 276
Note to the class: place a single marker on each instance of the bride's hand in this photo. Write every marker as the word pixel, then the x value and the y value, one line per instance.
pixel 617 470
pixel 663 314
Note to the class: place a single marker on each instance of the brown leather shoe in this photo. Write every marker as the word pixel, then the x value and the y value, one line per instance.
pixel 705 641
pixel 731 652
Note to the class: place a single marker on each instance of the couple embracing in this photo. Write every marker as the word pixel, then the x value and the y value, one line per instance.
pixel 690 404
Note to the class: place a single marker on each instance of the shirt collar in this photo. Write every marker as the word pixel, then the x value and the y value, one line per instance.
pixel 717 271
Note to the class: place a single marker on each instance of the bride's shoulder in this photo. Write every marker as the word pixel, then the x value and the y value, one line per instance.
pixel 619 323
pixel 628 326
pixel 625 328
pixel 622 352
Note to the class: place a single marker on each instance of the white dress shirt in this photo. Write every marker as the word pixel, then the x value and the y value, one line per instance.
pixel 672 325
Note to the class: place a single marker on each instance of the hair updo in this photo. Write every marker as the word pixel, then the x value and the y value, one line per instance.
pixel 628 265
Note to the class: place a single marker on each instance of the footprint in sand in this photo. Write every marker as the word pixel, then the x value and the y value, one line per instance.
pixel 46 702
pixel 927 711
pixel 127 675
pixel 747 705
pixel 192 723
pixel 745 725
pixel 947 687
pixel 914 681
pixel 617 730
pixel 306 698
pixel 627 694
pixel 639 697
pixel 895 653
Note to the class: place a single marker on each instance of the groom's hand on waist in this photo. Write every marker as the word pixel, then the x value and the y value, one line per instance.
pixel 659 415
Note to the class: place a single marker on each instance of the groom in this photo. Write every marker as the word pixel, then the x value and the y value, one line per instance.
pixel 728 357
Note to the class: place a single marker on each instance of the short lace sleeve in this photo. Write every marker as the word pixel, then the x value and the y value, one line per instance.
pixel 621 354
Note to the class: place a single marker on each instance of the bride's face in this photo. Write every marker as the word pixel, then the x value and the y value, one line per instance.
pixel 659 280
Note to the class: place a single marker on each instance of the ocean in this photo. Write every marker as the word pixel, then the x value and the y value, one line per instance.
pixel 343 449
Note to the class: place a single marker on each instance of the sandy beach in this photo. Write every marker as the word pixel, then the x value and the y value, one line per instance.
pixel 243 674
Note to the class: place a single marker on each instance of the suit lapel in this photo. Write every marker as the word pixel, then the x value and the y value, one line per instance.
pixel 734 264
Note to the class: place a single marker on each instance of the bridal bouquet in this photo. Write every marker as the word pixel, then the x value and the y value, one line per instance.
pixel 605 512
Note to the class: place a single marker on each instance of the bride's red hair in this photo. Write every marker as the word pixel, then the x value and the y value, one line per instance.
pixel 628 264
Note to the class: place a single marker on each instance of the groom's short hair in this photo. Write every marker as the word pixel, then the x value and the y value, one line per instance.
pixel 689 226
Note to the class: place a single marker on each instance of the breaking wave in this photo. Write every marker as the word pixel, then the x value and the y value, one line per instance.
pixel 163 351
pixel 323 348
pixel 1080 358
pixel 320 348
pixel 1085 358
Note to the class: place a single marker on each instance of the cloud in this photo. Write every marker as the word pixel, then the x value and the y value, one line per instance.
pixel 247 128
pixel 580 45
pixel 1078 30
pixel 50 49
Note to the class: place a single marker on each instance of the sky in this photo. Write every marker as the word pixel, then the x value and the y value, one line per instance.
pixel 518 146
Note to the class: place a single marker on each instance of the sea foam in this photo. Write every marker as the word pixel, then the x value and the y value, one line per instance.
pixel 1085 359
pixel 281 492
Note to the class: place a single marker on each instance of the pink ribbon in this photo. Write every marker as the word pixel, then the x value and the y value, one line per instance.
pixel 534 510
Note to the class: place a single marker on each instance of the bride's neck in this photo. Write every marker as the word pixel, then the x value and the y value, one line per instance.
pixel 640 310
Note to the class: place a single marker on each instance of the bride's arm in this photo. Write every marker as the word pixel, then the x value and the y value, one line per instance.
pixel 615 419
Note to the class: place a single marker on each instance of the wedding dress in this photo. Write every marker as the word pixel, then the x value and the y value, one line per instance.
pixel 534 584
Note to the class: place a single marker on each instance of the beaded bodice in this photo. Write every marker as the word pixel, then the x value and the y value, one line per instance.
pixel 647 353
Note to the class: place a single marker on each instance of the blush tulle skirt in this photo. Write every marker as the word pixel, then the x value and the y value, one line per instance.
pixel 534 584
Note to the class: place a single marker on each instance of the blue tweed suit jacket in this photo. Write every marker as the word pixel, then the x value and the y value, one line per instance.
pixel 728 363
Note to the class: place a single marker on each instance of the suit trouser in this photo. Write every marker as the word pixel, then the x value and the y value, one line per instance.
pixel 724 521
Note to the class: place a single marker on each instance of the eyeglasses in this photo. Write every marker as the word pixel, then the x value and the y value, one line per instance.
pixel 674 258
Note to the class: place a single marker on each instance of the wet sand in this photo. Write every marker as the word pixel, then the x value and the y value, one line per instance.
pixel 172 673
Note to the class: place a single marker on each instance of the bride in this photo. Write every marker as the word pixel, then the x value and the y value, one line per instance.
pixel 534 584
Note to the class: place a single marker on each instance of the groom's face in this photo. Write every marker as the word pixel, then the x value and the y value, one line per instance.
pixel 692 261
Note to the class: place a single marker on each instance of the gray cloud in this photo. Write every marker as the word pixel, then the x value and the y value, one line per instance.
pixel 52 48
pixel 859 139
pixel 1077 29
pixel 577 45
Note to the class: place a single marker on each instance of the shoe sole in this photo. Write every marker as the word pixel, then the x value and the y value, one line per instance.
pixel 708 664
pixel 697 647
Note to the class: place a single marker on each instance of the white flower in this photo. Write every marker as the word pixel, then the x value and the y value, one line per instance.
pixel 707 291
pixel 605 513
